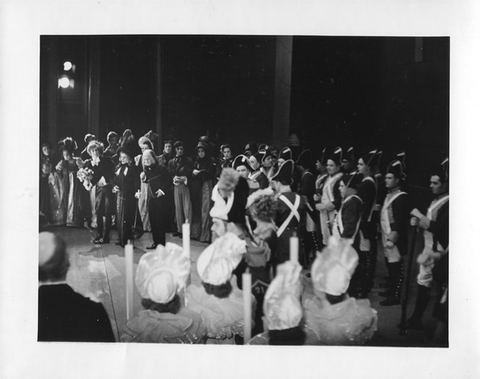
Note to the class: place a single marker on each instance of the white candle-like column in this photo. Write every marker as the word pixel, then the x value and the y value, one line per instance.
pixel 294 248
pixel 247 306
pixel 186 238
pixel 129 278
pixel 186 246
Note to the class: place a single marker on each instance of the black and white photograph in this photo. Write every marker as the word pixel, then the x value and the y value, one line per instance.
pixel 276 186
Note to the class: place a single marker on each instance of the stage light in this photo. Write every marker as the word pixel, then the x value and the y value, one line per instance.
pixel 66 82
pixel 67 66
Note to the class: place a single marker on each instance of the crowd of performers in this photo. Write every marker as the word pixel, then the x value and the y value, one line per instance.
pixel 249 209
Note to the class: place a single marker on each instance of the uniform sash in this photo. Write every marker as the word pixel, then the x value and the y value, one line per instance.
pixel 293 212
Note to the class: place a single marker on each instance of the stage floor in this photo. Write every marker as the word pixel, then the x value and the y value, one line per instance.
pixel 98 272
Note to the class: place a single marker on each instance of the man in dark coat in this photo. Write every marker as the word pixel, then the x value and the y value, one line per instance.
pixel 181 168
pixel 63 314
pixel 159 186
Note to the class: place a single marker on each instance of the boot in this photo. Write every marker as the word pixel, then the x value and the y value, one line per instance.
pixel 108 227
pixel 397 280
pixel 421 303
pixel 388 279
pixel 373 265
pixel 366 280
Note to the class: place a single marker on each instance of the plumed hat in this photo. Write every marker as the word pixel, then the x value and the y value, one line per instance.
pixel 396 168
pixel 350 155
pixel 242 160
pixel 334 266
pixel 337 155
pixel 282 307
pixel 285 154
pixel 305 159
pixel 95 145
pixel 284 172
pixel 151 135
pixel 352 180
pixel 68 144
pixel 217 262
pixel 145 141
pixel 162 273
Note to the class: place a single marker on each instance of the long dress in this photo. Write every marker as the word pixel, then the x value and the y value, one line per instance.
pixel 350 322
pixel 66 193
pixel 223 318
pixel 127 178
pixel 58 198
pixel 185 327
pixel 144 200
pixel 201 187
pixel 44 200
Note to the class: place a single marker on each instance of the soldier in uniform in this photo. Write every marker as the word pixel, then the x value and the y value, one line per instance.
pixel 331 199
pixel 394 222
pixel 291 210
pixel 435 231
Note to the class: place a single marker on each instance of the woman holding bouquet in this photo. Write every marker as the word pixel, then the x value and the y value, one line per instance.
pixel 102 179
pixel 126 184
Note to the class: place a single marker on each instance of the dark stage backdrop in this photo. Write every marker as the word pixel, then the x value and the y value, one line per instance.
pixel 389 92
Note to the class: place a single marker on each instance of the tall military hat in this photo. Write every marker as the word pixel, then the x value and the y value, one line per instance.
pixel 401 156
pixel 284 172
pixel 350 155
pixel 352 180
pixel 442 170
pixel 285 154
pixel 266 152
pixel 396 168
pixel 305 159
pixel 337 155
pixel 322 158
pixel 241 160
pixel 370 158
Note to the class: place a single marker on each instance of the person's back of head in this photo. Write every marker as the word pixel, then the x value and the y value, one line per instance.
pixel 53 262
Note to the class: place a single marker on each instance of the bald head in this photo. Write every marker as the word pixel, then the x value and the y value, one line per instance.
pixel 53 262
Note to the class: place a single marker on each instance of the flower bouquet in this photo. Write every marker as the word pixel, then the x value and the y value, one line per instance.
pixel 85 174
